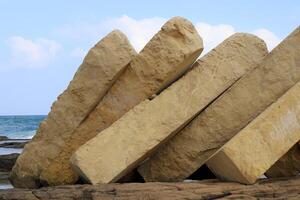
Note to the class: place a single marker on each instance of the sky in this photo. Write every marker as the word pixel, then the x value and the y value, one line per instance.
pixel 42 43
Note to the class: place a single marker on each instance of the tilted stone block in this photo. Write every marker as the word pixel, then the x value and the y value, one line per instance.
pixel 99 70
pixel 165 58
pixel 135 136
pixel 250 153
pixel 226 116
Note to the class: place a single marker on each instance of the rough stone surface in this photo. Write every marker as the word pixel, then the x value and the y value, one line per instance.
pixel 250 153
pixel 166 57
pixel 204 190
pixel 99 70
pixel 226 116
pixel 140 131
pixel 288 165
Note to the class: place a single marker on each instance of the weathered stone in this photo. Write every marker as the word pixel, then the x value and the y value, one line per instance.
pixel 205 190
pixel 250 153
pixel 136 135
pixel 288 165
pixel 99 70
pixel 226 116
pixel 166 57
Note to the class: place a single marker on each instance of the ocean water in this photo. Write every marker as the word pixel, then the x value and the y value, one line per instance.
pixel 20 126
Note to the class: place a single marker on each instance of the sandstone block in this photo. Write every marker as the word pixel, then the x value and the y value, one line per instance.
pixel 250 153
pixel 136 135
pixel 99 70
pixel 165 58
pixel 227 115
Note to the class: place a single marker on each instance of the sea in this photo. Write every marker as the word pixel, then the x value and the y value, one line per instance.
pixel 20 126
pixel 16 127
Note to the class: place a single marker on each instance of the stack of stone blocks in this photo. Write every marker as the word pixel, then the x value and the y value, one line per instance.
pixel 163 114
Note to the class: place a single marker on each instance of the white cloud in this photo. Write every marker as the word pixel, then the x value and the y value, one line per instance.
pixel 213 35
pixel 270 38
pixel 32 53
pixel 140 31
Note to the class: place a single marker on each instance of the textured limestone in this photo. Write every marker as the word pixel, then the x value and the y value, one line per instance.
pixel 250 153
pixel 141 130
pixel 166 57
pixel 226 116
pixel 99 70
pixel 288 165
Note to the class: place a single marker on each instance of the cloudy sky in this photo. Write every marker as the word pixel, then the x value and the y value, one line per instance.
pixel 43 43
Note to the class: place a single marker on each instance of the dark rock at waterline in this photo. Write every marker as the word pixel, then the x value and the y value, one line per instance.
pixel 206 189
pixel 13 144
pixel 4 178
pixel 8 161
pixel 3 138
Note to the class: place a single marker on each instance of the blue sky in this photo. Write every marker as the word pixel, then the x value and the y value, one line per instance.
pixel 43 43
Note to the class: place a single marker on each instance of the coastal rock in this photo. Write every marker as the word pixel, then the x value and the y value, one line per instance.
pixel 148 125
pixel 4 181
pixel 165 58
pixel 14 144
pixel 288 165
pixel 250 153
pixel 3 138
pixel 226 116
pixel 7 161
pixel 206 190
pixel 99 70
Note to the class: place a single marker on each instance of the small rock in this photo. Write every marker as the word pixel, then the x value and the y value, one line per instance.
pixel 13 144
pixel 3 138
pixel 7 161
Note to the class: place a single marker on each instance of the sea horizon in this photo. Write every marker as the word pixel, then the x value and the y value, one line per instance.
pixel 20 126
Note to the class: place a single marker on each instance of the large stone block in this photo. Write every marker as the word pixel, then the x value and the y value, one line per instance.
pixel 121 147
pixel 250 153
pixel 226 116
pixel 99 70
pixel 165 58
pixel 288 165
